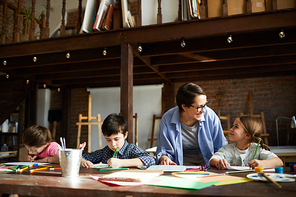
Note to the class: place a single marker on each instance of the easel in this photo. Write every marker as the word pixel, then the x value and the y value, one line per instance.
pixel 136 128
pixel 152 139
pixel 261 115
pixel 89 123
pixel 219 97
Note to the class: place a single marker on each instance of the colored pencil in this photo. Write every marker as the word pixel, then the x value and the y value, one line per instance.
pixel 54 168
pixel 257 148
pixel 38 169
pixel 114 153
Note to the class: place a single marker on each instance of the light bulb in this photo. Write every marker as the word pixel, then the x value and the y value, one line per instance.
pixel 59 89
pixel 282 34
pixel 140 49
pixel 68 55
pixel 34 59
pixel 183 44
pixel 229 39
pixel 4 62
pixel 44 85
pixel 28 81
pixel 105 51
pixel 7 76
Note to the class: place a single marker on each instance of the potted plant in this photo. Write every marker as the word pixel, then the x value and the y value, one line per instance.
pixel 27 17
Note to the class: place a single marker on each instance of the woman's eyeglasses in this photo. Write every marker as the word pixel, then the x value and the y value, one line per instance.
pixel 201 107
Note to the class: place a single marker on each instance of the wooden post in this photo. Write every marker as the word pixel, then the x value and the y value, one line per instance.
pixel 274 5
pixel 62 29
pixel 79 22
pixel 31 30
pixel 159 14
pixel 42 27
pixel 169 96
pixel 4 22
pixel 139 17
pixel 180 11
pixel 47 18
pixel 225 8
pixel 126 87
pixel 16 36
pixel 249 6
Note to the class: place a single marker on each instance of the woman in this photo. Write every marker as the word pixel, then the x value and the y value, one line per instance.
pixel 190 133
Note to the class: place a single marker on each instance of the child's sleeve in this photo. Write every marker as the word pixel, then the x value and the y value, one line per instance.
pixel 143 156
pixel 220 154
pixel 265 154
pixel 94 157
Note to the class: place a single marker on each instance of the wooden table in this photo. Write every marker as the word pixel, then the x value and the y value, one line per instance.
pixel 53 184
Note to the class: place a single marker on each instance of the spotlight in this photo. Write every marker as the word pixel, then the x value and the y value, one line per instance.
pixel 28 81
pixel 34 59
pixel 105 51
pixel 282 34
pixel 4 62
pixel 183 44
pixel 44 85
pixel 140 48
pixel 68 55
pixel 229 39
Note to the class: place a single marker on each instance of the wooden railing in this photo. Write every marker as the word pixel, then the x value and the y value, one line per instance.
pixel 43 22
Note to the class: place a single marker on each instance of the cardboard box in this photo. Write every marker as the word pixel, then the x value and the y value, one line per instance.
pixel 258 5
pixel 215 8
pixel 285 4
pixel 236 7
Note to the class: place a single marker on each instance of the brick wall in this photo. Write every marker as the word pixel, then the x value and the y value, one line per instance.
pixel 275 96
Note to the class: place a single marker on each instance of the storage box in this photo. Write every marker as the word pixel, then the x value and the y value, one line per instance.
pixel 236 7
pixel 258 5
pixel 284 4
pixel 215 8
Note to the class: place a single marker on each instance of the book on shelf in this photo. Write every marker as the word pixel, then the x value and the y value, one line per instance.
pixel 131 176
pixel 103 20
pixel 124 10
pixel 101 10
pixel 88 18
pixel 108 23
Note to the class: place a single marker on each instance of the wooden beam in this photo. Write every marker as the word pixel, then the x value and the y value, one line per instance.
pixel 126 90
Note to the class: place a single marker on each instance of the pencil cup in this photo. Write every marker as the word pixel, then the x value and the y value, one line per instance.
pixel 70 162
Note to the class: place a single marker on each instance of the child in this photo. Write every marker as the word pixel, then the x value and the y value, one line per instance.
pixel 114 129
pixel 246 132
pixel 38 141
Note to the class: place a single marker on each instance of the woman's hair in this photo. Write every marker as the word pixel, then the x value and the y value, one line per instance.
pixel 187 93
pixel 36 136
pixel 253 127
pixel 114 124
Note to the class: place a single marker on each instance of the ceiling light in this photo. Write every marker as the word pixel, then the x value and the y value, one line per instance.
pixel 229 39
pixel 183 44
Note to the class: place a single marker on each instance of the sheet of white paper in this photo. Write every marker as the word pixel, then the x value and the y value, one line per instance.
pixel 247 168
pixel 101 165
pixel 24 163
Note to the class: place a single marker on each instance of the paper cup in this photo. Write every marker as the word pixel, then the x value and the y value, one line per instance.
pixel 70 162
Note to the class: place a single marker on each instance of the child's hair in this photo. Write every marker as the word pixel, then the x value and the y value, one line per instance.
pixel 36 136
pixel 253 127
pixel 114 124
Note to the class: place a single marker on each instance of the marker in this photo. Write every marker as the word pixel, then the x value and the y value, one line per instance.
pixel 55 169
pixel 114 153
pixel 207 168
pixel 242 171
pixel 110 169
pixel 45 166
pixel 38 169
pixel 257 148
pixel 21 170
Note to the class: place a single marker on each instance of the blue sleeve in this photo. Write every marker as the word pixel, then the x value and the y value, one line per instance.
pixel 164 146
pixel 219 138
pixel 94 157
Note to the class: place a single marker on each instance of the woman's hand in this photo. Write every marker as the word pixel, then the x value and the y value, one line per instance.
pixel 165 160
pixel 86 164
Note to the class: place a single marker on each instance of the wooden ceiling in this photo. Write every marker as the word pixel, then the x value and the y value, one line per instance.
pixel 256 51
